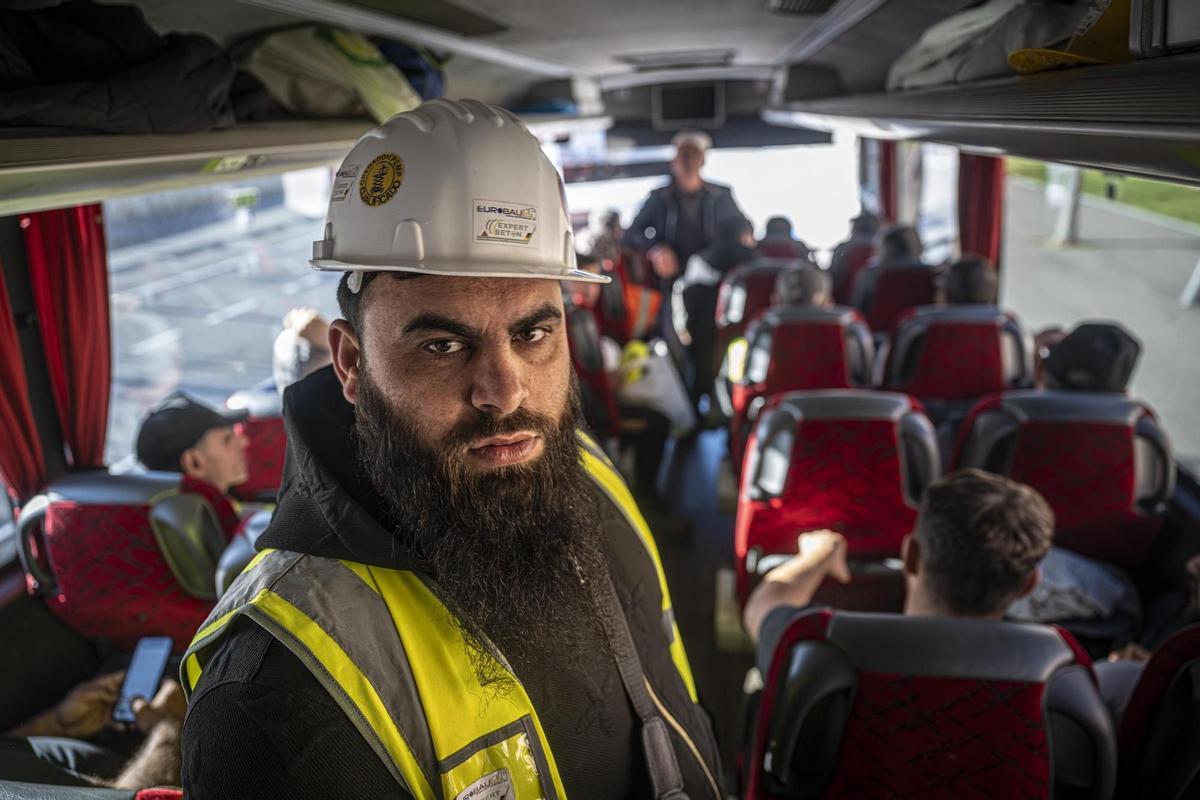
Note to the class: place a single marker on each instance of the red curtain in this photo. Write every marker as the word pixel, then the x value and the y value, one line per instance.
pixel 980 205
pixel 888 201
pixel 21 463
pixel 68 269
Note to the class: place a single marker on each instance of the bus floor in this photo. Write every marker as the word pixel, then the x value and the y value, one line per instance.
pixel 694 563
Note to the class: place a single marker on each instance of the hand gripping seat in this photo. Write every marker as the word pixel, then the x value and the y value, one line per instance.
pixel 1100 460
pixel 1159 733
pixel 854 461
pixel 897 289
pixel 887 706
pixel 119 557
pixel 955 353
pixel 795 349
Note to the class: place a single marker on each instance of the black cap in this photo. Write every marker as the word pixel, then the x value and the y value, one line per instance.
pixel 1095 357
pixel 176 425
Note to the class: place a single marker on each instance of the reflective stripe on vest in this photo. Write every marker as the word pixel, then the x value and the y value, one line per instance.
pixel 466 740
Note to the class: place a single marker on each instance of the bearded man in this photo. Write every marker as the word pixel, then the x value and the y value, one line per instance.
pixel 457 597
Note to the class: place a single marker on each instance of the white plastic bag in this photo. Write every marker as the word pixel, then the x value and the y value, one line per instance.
pixel 649 380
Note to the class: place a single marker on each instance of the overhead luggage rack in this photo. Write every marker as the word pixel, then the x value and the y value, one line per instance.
pixel 41 172
pixel 1141 118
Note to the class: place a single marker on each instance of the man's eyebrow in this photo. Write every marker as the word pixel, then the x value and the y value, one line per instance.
pixel 544 314
pixel 436 322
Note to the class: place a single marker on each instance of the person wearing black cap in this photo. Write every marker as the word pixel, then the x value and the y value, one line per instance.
pixel 1095 357
pixel 183 435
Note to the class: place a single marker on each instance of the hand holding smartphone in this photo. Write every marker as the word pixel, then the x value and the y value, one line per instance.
pixel 143 676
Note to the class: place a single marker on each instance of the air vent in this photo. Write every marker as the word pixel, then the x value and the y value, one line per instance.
pixel 800 6
pixel 678 58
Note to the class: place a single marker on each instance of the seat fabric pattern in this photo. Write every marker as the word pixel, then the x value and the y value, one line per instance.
pixel 956 363
pixel 113 582
pixel 898 289
pixel 924 737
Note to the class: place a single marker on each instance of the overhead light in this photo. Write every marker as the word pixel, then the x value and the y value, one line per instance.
pixel 678 58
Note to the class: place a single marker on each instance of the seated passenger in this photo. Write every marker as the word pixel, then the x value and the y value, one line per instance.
pixel 68 745
pixel 807 286
pixel 301 348
pixel 977 547
pixel 850 255
pixel 969 281
pixel 1095 357
pixel 780 242
pixel 183 435
pixel 898 246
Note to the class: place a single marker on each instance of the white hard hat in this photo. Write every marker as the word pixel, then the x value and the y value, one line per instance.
pixel 449 188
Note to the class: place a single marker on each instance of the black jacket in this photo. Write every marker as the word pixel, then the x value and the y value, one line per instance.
pixel 659 220
pixel 259 724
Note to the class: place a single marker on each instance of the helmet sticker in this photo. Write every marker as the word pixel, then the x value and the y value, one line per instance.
pixel 381 179
pixel 343 182
pixel 502 222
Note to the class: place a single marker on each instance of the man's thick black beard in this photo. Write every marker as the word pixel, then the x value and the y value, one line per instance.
pixel 515 551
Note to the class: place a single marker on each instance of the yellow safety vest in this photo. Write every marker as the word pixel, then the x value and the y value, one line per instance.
pixel 389 653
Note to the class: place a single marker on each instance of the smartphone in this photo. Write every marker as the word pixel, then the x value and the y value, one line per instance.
pixel 143 676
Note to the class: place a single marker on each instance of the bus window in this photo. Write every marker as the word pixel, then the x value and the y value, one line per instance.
pixel 200 280
pixel 1136 251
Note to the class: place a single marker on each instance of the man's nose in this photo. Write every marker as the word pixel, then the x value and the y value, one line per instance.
pixel 498 385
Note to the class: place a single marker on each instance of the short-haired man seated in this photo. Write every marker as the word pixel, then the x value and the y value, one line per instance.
pixel 976 548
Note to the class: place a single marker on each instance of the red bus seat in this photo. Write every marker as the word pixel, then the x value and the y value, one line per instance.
pixel 119 557
pixel 266 449
pixel 853 461
pixel 746 291
pixel 600 401
pixel 898 288
pixel 956 353
pixel 797 349
pixel 1100 460
pixel 880 705
pixel 1159 733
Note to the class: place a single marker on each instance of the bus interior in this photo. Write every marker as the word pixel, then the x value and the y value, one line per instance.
pixel 156 224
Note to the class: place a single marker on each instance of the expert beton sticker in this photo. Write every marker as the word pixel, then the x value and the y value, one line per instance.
pixel 504 223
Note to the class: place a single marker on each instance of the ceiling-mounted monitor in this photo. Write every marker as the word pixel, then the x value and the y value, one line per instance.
pixel 688 105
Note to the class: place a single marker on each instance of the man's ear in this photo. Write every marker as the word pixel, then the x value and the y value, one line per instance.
pixel 344 346
pixel 1031 583
pixel 910 554
pixel 192 463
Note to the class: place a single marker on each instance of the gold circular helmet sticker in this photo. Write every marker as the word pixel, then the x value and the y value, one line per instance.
pixel 381 179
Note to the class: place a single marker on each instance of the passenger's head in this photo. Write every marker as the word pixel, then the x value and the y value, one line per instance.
pixel 977 544
pixel 301 348
pixel 690 147
pixel 611 223
pixel 1095 357
pixel 779 228
pixel 899 243
pixel 969 280
pixel 737 230
pixel 804 286
pixel 183 435
pixel 864 226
